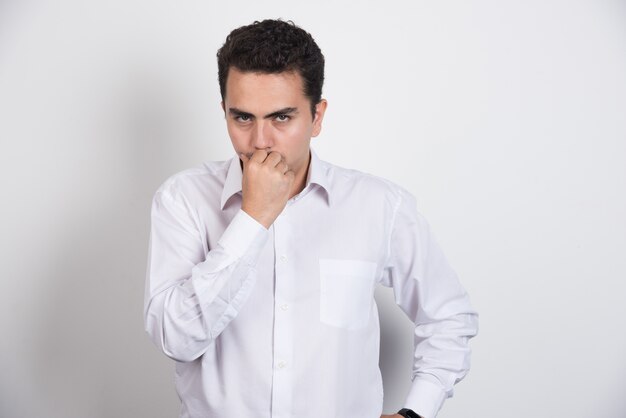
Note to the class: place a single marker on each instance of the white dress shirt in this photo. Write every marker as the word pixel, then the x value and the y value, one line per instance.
pixel 282 322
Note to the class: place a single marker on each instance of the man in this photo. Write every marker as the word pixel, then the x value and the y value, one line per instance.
pixel 262 268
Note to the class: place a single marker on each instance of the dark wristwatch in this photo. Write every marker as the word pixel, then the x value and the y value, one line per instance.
pixel 408 413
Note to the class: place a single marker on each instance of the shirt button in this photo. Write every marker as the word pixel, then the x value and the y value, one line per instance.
pixel 282 364
pixel 284 306
pixel 283 257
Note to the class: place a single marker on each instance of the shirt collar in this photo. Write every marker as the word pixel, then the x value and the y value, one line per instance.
pixel 317 174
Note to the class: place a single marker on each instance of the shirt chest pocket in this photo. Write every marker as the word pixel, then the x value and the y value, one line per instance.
pixel 346 292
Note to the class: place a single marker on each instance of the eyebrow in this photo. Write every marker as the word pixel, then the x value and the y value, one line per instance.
pixel 283 111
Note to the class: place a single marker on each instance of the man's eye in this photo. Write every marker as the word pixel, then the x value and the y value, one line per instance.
pixel 283 118
pixel 242 118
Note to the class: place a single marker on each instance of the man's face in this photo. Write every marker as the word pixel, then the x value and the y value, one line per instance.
pixel 270 111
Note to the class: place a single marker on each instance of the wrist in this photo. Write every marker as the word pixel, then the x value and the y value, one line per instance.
pixel 263 218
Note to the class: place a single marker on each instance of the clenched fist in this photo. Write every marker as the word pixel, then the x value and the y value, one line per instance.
pixel 266 185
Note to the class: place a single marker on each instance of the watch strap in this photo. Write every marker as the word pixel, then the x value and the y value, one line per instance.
pixel 408 413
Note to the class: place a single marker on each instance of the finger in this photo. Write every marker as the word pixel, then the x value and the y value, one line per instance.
pixel 273 158
pixel 243 157
pixel 259 156
pixel 282 167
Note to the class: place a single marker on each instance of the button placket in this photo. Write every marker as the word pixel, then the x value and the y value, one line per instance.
pixel 283 322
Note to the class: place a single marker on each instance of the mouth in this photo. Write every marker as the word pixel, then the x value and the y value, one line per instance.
pixel 249 154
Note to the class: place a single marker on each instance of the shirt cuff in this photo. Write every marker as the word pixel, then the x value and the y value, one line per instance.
pixel 425 398
pixel 244 237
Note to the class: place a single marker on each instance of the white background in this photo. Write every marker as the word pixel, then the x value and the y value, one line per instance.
pixel 506 120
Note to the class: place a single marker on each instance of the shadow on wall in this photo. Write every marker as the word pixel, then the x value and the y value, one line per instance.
pixel 396 350
pixel 93 356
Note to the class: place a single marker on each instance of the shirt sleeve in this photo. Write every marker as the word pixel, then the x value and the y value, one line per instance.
pixel 190 296
pixel 428 291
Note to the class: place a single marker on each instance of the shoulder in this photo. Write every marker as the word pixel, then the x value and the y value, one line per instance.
pixel 185 185
pixel 356 183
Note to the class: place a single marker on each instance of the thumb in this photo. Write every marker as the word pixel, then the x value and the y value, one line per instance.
pixel 243 157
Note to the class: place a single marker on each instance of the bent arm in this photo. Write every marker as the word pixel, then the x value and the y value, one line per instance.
pixel 427 289
pixel 190 298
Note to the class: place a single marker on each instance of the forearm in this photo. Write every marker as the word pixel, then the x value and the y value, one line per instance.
pixel 186 308
pixel 185 319
pixel 441 359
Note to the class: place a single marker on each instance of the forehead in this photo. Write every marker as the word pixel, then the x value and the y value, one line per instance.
pixel 253 88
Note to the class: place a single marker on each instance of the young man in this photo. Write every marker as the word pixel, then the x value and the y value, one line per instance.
pixel 262 268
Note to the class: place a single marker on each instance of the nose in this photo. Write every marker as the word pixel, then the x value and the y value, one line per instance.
pixel 262 135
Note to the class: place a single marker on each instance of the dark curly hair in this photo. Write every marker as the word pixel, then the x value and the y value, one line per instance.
pixel 273 46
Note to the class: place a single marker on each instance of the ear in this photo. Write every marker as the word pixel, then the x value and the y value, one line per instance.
pixel 320 109
pixel 223 108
